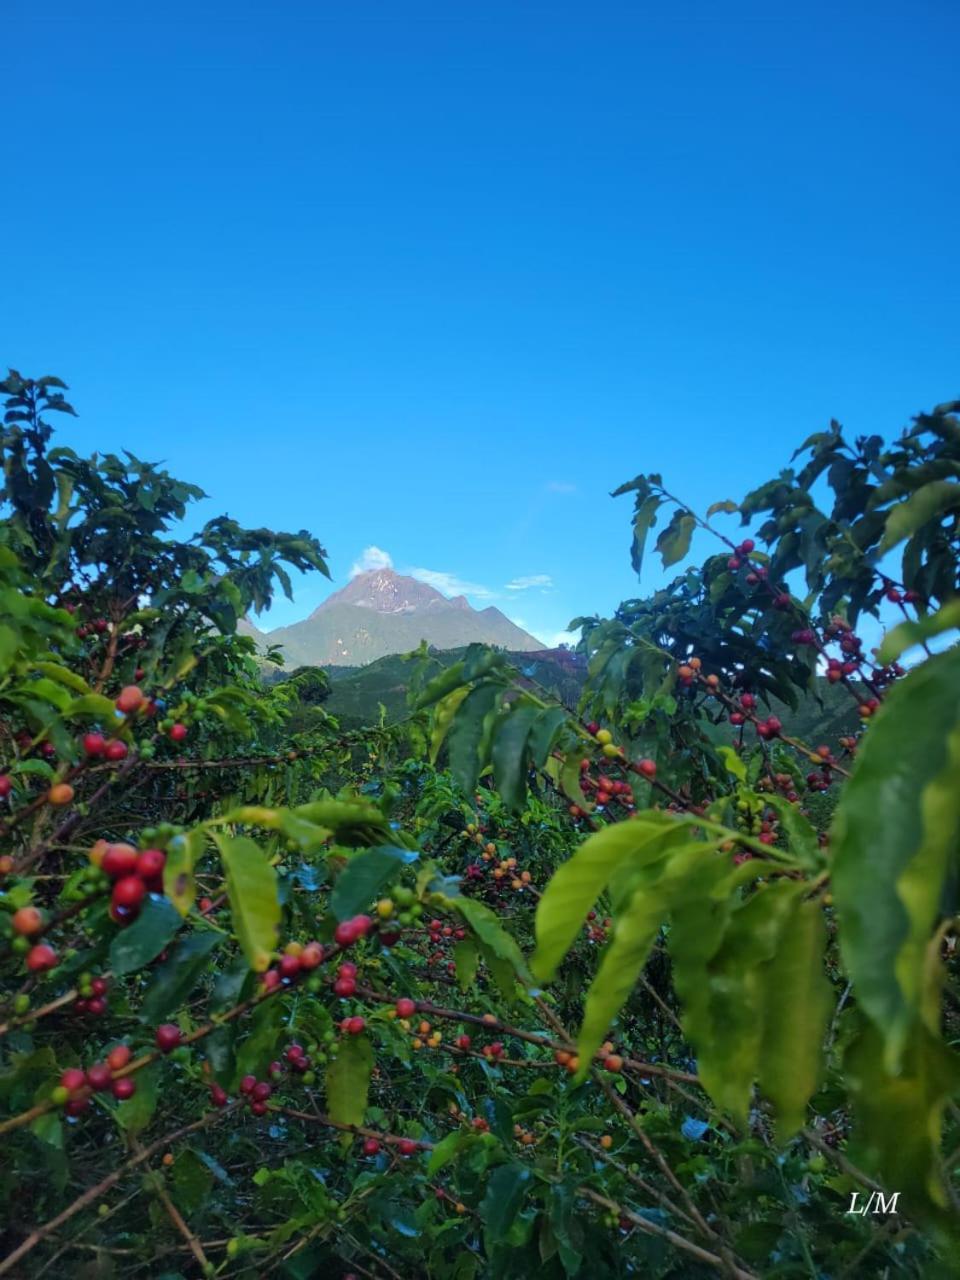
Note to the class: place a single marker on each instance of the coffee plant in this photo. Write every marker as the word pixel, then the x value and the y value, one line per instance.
pixel 651 986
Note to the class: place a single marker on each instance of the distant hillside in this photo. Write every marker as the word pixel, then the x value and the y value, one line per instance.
pixel 356 694
pixel 382 613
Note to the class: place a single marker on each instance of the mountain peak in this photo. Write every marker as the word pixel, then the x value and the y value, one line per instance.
pixel 382 612
pixel 386 592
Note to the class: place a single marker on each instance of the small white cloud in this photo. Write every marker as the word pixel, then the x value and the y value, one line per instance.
pixel 449 584
pixel 371 558
pixel 560 486
pixel 519 622
pixel 531 580
pixel 561 637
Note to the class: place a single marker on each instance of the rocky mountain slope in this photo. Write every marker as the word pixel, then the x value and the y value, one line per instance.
pixel 382 612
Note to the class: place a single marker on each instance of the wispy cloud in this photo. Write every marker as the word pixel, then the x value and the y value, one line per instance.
pixel 561 637
pixel 371 558
pixel 560 486
pixel 531 580
pixel 449 584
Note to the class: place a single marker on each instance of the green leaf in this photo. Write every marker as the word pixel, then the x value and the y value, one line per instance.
pixel 728 507
pixel 915 631
pixel 896 828
pixel 566 1225
pixel 506 1188
pixel 447 1150
pixel 64 675
pixel 544 732
pixel 49 1129
pixel 930 502
pixel 568 777
pixel 183 850
pixel 509 754
pixel 142 941
pixel 259 1047
pixel 363 876
pixel 93 704
pixel 726 1026
pixel 191 1181
pixel 899 1118
pixel 465 959
pixel 443 716
pixel 796 1010
pixel 51 692
pixel 440 686
pixel 645 517
pixel 176 978
pixel 135 1114
pixel 674 543
pixel 734 762
pixel 634 932
pixel 254 904
pixel 802 841
pixel 486 925
pixel 642 897
pixel 348 1080
pixel 576 884
pixel 463 743
pixel 39 768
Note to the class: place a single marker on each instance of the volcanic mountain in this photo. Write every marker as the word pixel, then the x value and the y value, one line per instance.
pixel 382 612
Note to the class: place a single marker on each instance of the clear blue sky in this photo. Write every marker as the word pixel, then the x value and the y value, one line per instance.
pixel 435 278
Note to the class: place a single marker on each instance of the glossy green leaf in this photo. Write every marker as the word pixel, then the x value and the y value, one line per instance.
pixel 643 896
pixel 254 904
pixel 634 932
pixel 899 1118
pixel 544 732
pixel 645 517
pixel 191 1180
pixel 465 959
pixel 726 1025
pixel 135 1114
pixel 486 925
pixel 916 630
pixel 443 716
pixel 674 543
pixel 506 1188
pixel 734 762
pixel 930 502
pixel 183 851
pixel 64 675
pixel 441 685
pixel 575 886
pixel 364 875
pixel 727 506
pixel 348 1080
pixel 93 704
pixel 802 841
pixel 798 1000
pixel 448 1149
pixel 896 828
pixel 174 980
pixel 467 732
pixel 258 1046
pixel 144 939
pixel 509 754
pixel 49 1129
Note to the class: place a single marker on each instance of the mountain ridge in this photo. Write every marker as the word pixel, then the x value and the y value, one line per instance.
pixel 381 612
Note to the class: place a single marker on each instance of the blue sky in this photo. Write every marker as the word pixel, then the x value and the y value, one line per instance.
pixel 434 278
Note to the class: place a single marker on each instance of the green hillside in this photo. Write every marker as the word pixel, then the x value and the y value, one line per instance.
pixel 358 692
